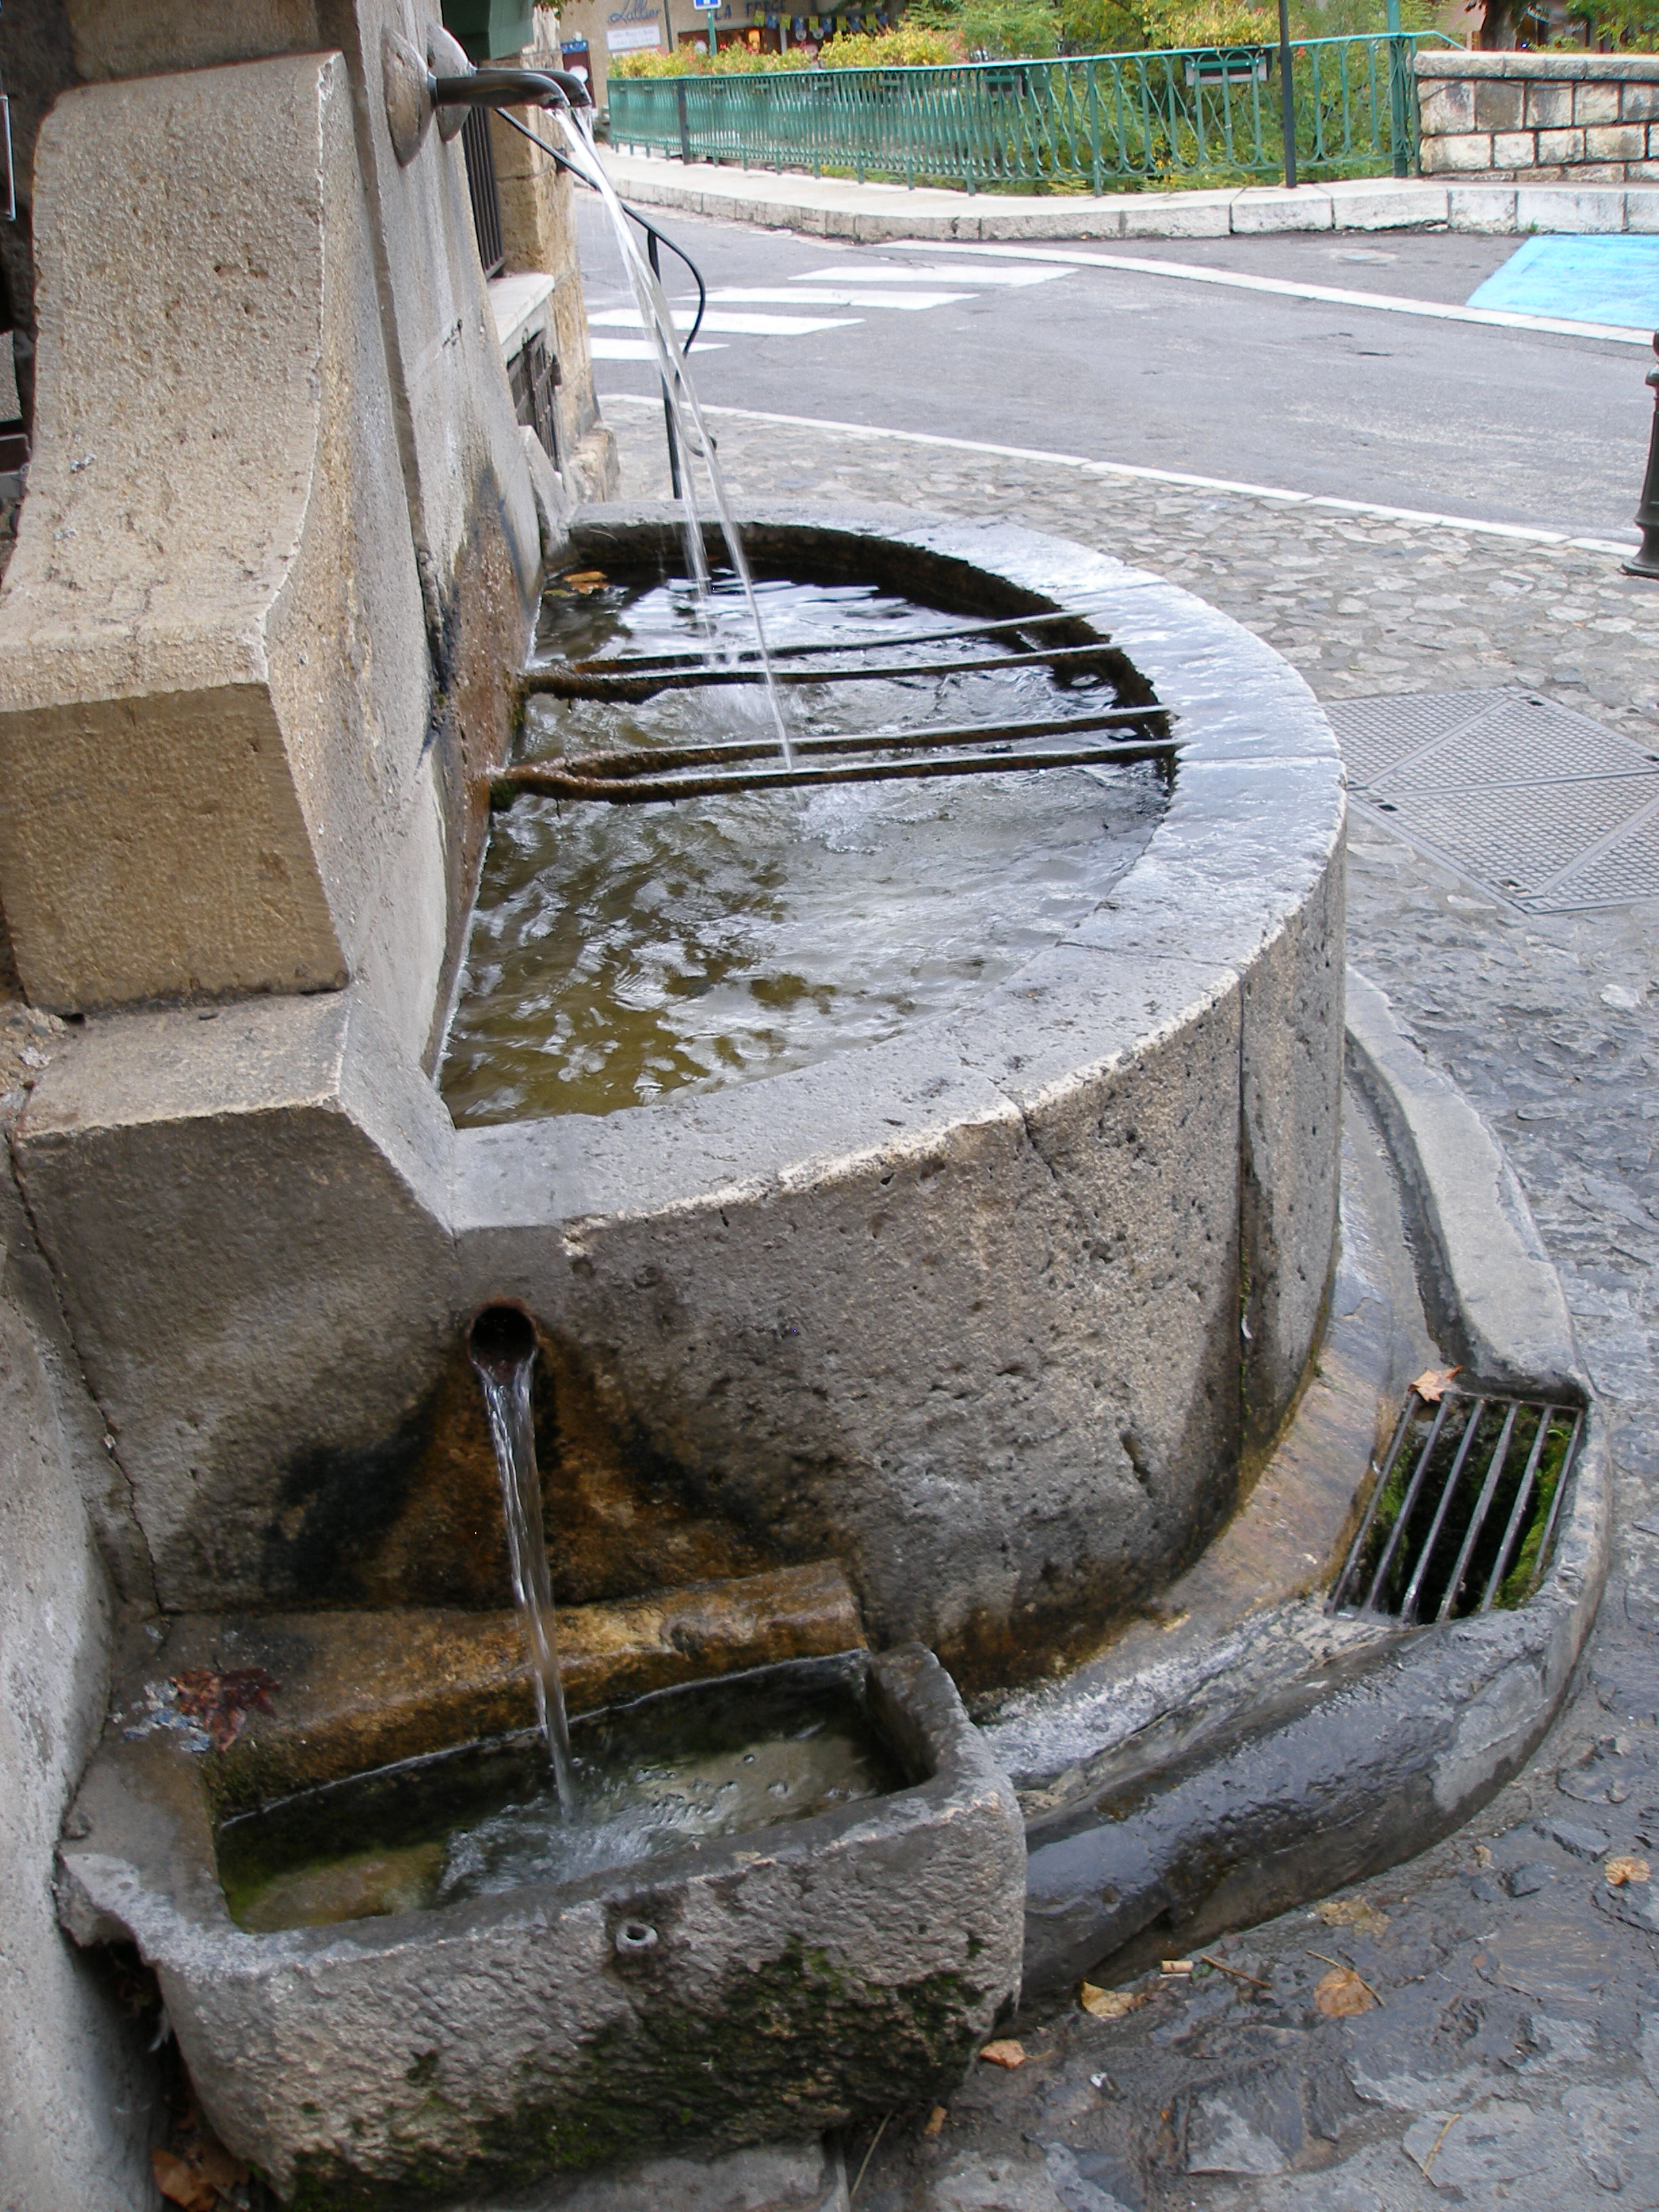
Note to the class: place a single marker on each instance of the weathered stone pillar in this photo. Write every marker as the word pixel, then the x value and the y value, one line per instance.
pixel 538 232
pixel 213 672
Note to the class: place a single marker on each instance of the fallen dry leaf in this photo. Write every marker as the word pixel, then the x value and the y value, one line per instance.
pixel 219 2165
pixel 1432 1384
pixel 222 1702
pixel 1006 2053
pixel 935 2122
pixel 586 579
pixel 1619 1871
pixel 181 2182
pixel 1353 1912
pixel 1109 2004
pixel 1341 1994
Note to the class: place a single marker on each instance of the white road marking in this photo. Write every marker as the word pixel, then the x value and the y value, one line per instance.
pixel 741 325
pixel 637 349
pixel 729 305
pixel 1383 303
pixel 1521 533
pixel 781 294
pixel 863 273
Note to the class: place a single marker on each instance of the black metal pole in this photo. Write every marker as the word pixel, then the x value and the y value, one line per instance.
pixel 667 404
pixel 1645 562
pixel 1286 95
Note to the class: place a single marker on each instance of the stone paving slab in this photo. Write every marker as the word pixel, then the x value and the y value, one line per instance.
pixel 839 207
pixel 1514 2058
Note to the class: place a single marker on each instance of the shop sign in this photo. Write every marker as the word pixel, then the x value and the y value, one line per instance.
pixel 632 28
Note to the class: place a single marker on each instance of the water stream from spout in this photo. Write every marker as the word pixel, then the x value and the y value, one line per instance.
pixel 502 1344
pixel 691 434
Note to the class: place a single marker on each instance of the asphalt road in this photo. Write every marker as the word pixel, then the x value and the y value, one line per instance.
pixel 1361 403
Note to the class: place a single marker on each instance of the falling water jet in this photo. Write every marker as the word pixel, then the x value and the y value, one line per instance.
pixel 502 1345
pixel 690 433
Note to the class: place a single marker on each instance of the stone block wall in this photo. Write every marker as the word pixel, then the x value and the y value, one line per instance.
pixel 539 231
pixel 1544 118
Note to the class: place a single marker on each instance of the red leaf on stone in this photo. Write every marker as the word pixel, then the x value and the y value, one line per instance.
pixel 222 1702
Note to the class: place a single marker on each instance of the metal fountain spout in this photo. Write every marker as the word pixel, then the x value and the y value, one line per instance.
pixel 508 88
pixel 443 83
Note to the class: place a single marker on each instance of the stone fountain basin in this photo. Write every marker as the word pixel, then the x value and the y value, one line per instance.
pixel 991 1312
pixel 994 1309
pixel 831 1967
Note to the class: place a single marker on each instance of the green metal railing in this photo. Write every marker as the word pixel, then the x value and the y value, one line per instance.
pixel 1174 117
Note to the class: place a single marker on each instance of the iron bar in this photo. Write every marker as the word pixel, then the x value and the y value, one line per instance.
pixel 1410 1501
pixel 1408 1603
pixel 1567 1458
pixel 566 683
pixel 628 664
pixel 1381 1484
pixel 621 791
pixel 1518 1512
pixel 1483 1506
pixel 652 760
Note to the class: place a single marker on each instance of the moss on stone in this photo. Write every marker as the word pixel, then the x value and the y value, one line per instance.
pixel 793 2048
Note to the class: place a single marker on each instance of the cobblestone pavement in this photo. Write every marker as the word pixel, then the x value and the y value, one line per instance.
pixel 1514 2056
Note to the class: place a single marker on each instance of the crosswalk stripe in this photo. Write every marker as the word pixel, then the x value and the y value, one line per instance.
pixel 721 319
pixel 863 273
pixel 781 294
pixel 602 349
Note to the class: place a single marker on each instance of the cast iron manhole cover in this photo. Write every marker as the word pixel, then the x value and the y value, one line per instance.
pixel 1535 802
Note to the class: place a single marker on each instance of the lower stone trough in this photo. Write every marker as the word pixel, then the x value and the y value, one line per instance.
pixel 925 1372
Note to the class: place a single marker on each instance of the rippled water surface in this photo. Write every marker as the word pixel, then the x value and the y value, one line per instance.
pixel 665 1772
pixel 618 953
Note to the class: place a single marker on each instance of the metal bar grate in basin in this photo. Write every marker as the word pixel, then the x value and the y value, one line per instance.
pixel 1463 1509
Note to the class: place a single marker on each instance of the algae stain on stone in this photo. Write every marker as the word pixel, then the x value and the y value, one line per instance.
pixel 716 2076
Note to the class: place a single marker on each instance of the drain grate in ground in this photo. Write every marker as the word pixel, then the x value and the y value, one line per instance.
pixel 1463 1510
pixel 1538 803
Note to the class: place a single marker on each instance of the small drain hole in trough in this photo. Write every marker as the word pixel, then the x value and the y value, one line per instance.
pixel 1464 1508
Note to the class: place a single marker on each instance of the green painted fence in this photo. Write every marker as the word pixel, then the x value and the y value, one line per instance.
pixel 1085 125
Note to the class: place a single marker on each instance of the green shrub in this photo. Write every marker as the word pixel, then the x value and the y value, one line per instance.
pixel 911 45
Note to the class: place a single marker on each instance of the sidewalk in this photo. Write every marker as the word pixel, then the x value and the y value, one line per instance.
pixel 1513 2056
pixel 837 207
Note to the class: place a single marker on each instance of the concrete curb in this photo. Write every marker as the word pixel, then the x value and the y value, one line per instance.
pixel 1379 1752
pixel 1495 1300
pixel 833 207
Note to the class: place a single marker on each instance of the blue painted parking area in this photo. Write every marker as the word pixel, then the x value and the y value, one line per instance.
pixel 1581 280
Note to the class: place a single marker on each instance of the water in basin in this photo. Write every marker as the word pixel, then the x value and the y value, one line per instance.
pixel 663 1773
pixel 621 952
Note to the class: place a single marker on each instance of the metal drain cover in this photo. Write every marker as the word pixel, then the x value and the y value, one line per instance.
pixel 1463 1507
pixel 1541 805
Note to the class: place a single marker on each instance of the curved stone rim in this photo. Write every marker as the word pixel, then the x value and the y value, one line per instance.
pixel 1245 718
